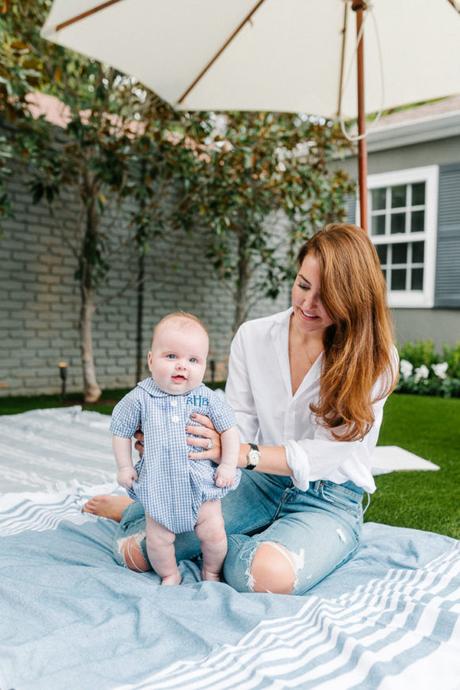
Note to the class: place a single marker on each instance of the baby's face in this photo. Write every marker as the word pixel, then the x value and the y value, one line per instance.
pixel 177 360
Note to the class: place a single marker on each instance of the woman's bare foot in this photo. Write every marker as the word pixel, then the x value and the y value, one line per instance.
pixel 111 507
pixel 174 579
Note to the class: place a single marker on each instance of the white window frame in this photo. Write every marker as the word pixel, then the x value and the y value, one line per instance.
pixel 430 175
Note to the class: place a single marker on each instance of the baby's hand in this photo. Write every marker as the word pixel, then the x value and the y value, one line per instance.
pixel 126 476
pixel 225 476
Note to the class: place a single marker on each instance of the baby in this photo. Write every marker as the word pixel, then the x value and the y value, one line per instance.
pixel 178 494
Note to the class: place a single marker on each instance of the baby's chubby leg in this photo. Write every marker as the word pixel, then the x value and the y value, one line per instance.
pixel 210 530
pixel 160 549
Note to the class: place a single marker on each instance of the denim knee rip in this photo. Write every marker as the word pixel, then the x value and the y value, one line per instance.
pixel 295 560
pixel 138 537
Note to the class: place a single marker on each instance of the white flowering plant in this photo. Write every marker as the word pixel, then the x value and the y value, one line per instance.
pixel 424 371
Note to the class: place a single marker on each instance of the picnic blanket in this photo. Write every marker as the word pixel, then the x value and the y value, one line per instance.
pixel 72 619
pixel 61 448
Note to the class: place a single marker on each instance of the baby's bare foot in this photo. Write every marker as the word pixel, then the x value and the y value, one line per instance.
pixel 210 576
pixel 174 579
pixel 111 507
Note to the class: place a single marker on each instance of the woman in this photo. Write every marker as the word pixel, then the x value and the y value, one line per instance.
pixel 308 386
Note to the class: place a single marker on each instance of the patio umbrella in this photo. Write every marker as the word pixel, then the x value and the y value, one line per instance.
pixel 274 55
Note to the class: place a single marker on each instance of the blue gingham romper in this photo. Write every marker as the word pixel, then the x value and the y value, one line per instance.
pixel 170 486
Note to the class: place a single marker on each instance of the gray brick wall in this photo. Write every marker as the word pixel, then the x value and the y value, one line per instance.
pixel 39 297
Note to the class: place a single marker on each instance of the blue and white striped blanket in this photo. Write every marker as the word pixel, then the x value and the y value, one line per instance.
pixel 71 619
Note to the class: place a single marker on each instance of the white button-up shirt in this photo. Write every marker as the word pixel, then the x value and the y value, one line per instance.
pixel 260 392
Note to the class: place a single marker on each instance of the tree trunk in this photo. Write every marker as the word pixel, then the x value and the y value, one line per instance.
pixel 242 283
pixel 91 390
pixel 140 357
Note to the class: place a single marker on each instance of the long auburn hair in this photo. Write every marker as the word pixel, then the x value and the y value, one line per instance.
pixel 358 346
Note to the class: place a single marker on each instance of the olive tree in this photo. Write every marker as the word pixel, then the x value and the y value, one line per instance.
pixel 249 166
pixel 115 149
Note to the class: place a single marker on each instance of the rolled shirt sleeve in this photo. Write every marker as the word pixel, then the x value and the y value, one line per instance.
pixel 312 459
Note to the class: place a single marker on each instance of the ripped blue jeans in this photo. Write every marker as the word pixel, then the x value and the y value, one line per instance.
pixel 317 530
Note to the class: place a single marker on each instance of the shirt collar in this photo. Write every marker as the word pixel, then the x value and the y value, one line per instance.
pixel 281 345
pixel 283 316
pixel 155 391
pixel 151 387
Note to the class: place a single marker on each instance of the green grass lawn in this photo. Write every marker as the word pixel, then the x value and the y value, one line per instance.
pixel 427 426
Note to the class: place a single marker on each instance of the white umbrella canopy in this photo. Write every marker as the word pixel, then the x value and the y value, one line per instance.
pixel 274 55
pixel 285 58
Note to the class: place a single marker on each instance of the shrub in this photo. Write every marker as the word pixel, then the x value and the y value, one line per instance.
pixel 452 356
pixel 422 352
pixel 425 372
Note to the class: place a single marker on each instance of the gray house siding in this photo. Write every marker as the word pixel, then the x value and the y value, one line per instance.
pixel 440 152
pixel 351 209
pixel 442 326
pixel 442 323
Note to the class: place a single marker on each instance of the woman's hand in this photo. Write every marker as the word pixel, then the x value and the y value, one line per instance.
pixel 139 445
pixel 204 436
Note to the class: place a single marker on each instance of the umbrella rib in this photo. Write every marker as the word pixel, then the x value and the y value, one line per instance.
pixel 83 15
pixel 220 51
pixel 342 58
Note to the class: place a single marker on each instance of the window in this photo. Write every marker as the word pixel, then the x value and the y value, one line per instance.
pixel 402 223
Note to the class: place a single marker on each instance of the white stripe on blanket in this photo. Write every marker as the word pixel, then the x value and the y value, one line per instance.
pixel 397 632
pixel 39 511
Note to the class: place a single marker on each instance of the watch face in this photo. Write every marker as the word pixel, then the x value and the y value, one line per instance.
pixel 253 456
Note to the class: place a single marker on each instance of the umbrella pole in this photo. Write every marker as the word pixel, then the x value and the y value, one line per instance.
pixel 359 7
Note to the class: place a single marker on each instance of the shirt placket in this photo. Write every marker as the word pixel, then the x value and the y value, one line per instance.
pixel 175 410
pixel 176 416
pixel 290 420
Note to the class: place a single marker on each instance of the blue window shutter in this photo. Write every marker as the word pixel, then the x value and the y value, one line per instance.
pixel 447 284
